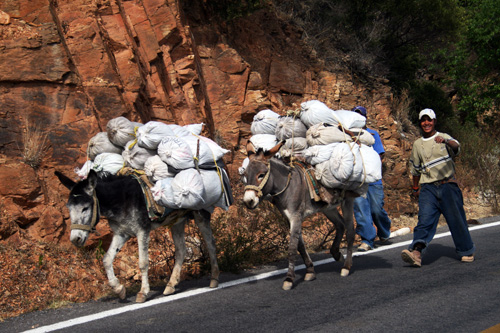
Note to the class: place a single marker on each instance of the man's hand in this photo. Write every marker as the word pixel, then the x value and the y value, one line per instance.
pixel 449 142
pixel 415 192
pixel 440 139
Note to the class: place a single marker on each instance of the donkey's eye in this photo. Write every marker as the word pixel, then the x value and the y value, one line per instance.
pixel 261 176
pixel 85 209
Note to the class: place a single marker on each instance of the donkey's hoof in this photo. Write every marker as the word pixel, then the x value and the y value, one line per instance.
pixel 121 291
pixel 310 277
pixel 140 298
pixel 168 290
pixel 287 285
pixel 339 258
pixel 344 272
pixel 214 283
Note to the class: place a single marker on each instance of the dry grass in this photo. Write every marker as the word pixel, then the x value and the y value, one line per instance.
pixel 35 141
pixel 401 113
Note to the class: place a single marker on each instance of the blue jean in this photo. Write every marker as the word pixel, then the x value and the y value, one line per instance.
pixel 369 211
pixel 445 199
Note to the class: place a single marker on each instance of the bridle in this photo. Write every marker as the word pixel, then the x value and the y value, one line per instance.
pixel 95 217
pixel 258 188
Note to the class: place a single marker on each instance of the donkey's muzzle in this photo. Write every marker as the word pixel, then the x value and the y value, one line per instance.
pixel 251 199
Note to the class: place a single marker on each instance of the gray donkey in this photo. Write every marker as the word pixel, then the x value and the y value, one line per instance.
pixel 121 200
pixel 285 185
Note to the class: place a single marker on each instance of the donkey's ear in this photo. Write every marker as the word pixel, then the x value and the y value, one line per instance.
pixel 250 148
pixel 271 152
pixel 65 180
pixel 91 182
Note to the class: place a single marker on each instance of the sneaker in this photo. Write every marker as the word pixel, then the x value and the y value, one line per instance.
pixel 364 247
pixel 413 258
pixel 468 258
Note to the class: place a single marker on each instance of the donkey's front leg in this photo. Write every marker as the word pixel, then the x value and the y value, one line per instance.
pixel 109 257
pixel 143 243
pixel 295 233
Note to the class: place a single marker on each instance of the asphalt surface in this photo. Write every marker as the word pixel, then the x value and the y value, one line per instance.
pixel 381 294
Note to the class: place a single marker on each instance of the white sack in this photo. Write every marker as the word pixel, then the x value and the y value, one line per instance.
pixel 296 143
pixel 314 112
pixel 323 134
pixel 242 169
pixel 83 172
pixel 355 164
pixel 108 162
pixel 150 135
pixel 288 127
pixel 135 156
pixel 156 169
pixel 187 130
pixel 162 192
pixel 365 137
pixel 264 122
pixel 194 128
pixel 176 152
pixel 324 175
pixel 319 153
pixel 371 163
pixel 358 163
pixel 209 150
pixel 121 130
pixel 214 191
pixel 263 141
pixel 188 189
pixel 349 119
pixel 100 143
pixel 293 147
pixel 341 161
pixel 244 165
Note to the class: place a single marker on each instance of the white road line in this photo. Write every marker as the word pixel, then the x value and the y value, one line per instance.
pixel 190 293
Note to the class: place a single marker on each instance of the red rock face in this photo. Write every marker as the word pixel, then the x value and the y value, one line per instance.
pixel 69 66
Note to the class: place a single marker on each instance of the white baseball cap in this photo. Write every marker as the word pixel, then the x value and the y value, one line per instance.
pixel 427 112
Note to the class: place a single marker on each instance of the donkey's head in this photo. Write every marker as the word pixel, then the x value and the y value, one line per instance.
pixel 82 205
pixel 257 174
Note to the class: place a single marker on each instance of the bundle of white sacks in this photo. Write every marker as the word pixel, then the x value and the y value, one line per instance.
pixel 182 164
pixel 315 135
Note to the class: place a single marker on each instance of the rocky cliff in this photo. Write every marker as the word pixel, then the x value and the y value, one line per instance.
pixel 69 66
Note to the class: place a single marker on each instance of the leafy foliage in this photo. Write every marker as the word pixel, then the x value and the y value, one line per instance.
pixel 383 37
pixel 426 94
pixel 473 63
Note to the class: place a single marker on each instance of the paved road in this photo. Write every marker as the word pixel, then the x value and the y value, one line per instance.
pixel 381 294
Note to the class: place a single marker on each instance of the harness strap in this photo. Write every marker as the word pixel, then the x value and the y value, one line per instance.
pixel 259 188
pixel 156 212
pixel 312 185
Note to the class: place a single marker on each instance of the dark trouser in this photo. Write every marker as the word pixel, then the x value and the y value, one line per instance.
pixel 443 199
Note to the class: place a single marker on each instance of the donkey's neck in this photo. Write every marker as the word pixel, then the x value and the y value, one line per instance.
pixel 118 194
pixel 280 175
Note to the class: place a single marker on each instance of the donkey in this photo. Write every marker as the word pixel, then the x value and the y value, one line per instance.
pixel 121 200
pixel 286 187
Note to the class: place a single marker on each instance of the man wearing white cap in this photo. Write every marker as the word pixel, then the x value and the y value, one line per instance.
pixel 433 168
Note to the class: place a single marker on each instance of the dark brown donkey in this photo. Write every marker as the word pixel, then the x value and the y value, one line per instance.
pixel 285 185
